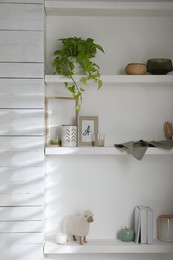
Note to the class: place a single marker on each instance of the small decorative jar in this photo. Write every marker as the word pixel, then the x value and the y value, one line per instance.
pixel 127 234
pixel 165 228
pixel 69 135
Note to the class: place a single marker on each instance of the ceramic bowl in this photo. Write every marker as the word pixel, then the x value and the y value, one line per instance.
pixel 136 69
pixel 159 66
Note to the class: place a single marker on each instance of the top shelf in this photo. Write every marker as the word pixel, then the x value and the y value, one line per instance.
pixel 95 8
pixel 157 80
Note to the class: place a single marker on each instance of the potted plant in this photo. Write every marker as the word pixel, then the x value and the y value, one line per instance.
pixel 76 51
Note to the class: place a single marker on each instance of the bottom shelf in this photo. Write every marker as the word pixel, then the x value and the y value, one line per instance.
pixel 108 246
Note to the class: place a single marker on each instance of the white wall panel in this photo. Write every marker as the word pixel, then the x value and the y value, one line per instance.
pixel 22 17
pixel 21 122
pixel 22 158
pixel 21 213
pixel 21 252
pixel 22 1
pixel 22 187
pixel 21 93
pixel 21 238
pixel 21 46
pixel 21 226
pixel 21 129
pixel 21 70
pixel 21 199
pixel 21 143
pixel 21 180
pixel 19 175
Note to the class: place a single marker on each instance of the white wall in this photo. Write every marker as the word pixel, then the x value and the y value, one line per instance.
pixel 21 129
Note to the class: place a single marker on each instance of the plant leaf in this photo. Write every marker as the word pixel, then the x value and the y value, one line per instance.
pixel 83 80
pixel 99 83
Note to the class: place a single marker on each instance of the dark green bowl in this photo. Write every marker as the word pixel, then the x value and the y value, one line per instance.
pixel 159 66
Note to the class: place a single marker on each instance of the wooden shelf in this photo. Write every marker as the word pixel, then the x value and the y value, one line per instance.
pixel 100 151
pixel 95 8
pixel 112 246
pixel 116 80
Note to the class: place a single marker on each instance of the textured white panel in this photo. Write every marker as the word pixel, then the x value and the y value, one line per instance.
pixel 21 70
pixel 21 213
pixel 20 175
pixel 21 238
pixel 22 1
pixel 21 122
pixel 22 187
pixel 21 143
pixel 21 93
pixel 22 158
pixel 21 180
pixel 21 226
pixel 21 46
pixel 21 199
pixel 21 252
pixel 22 17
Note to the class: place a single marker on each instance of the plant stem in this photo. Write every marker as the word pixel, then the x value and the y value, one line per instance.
pixel 76 88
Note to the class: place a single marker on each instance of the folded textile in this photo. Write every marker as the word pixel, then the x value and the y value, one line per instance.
pixel 138 149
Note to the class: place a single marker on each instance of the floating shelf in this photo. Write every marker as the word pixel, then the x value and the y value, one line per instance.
pixel 100 151
pixel 115 80
pixel 85 8
pixel 112 246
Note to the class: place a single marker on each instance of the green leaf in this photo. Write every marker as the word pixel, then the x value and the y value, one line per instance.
pixel 83 80
pixel 99 83
pixel 82 90
pixel 78 107
pixel 66 84
pixel 72 89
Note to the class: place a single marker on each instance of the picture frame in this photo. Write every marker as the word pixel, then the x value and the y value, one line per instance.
pixel 87 125
pixel 58 111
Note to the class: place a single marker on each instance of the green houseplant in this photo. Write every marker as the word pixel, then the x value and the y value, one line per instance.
pixel 76 50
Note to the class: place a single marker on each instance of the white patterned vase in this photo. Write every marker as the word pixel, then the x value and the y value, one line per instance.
pixel 69 135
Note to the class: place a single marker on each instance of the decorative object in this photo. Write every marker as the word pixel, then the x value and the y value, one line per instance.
pixel 136 69
pixel 58 111
pixel 81 51
pixel 69 135
pixel 166 228
pixel 168 130
pixel 88 125
pixel 98 139
pixel 159 66
pixel 78 226
pixel 127 234
pixel 61 238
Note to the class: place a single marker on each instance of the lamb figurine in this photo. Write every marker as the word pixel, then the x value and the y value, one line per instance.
pixel 78 226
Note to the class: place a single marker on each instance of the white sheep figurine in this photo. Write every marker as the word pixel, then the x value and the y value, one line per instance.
pixel 78 226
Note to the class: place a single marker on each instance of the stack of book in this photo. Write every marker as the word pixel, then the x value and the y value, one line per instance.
pixel 143 224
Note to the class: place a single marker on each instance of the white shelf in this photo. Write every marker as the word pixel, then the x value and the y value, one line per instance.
pixel 95 8
pixel 100 151
pixel 111 246
pixel 157 80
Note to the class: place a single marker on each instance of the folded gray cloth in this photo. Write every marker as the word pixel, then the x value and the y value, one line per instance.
pixel 138 149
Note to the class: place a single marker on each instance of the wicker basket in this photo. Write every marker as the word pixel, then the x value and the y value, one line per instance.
pixel 136 69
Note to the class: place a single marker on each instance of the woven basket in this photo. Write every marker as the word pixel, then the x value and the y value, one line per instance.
pixel 136 69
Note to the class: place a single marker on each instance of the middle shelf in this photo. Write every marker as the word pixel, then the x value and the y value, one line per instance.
pixel 100 151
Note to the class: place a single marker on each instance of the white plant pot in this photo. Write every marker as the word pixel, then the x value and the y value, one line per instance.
pixel 69 135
